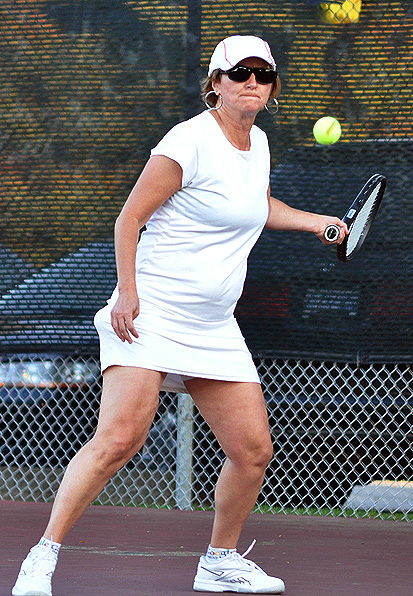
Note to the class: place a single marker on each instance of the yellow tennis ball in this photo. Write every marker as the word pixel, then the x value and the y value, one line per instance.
pixel 327 130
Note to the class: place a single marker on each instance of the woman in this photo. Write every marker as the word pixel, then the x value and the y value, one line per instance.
pixel 204 197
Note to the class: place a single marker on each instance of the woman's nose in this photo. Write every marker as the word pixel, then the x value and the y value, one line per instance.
pixel 252 81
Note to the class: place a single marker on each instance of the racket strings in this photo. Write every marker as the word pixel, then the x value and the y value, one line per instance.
pixel 362 222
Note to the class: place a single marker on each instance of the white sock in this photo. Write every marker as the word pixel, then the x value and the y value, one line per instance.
pixel 50 545
pixel 215 554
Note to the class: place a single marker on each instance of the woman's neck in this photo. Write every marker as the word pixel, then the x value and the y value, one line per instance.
pixel 236 131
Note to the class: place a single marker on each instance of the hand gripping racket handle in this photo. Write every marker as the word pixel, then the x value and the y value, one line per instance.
pixel 332 232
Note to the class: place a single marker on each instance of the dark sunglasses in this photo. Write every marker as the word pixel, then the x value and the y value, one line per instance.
pixel 264 76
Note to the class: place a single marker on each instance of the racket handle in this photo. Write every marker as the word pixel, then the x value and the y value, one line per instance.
pixel 332 232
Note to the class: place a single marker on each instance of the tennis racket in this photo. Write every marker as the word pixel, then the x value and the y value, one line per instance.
pixel 358 218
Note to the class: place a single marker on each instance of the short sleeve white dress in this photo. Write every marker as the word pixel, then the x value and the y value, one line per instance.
pixel 191 260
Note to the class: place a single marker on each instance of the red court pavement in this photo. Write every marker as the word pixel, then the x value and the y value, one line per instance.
pixel 116 551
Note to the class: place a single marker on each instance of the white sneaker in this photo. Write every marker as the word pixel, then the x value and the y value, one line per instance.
pixel 234 573
pixel 35 577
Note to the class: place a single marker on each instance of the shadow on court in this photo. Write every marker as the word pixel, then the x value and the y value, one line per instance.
pixel 116 551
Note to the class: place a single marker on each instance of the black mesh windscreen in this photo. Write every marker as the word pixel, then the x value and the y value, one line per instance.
pixel 89 87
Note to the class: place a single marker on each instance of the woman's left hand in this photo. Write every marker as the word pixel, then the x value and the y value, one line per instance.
pixel 325 221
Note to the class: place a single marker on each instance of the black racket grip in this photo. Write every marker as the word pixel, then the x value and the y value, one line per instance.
pixel 332 232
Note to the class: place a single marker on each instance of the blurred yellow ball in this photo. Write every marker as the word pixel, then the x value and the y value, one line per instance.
pixel 341 13
pixel 327 130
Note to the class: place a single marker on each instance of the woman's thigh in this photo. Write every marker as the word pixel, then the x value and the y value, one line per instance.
pixel 129 400
pixel 236 413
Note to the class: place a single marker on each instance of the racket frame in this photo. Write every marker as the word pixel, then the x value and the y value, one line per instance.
pixel 332 231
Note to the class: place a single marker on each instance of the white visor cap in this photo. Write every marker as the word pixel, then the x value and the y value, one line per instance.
pixel 233 49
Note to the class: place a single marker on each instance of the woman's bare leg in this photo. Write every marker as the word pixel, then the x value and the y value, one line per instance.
pixel 236 413
pixel 128 405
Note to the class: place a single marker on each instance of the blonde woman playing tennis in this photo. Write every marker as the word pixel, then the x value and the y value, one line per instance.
pixel 204 198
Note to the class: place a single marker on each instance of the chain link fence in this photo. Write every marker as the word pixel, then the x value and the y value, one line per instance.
pixel 335 428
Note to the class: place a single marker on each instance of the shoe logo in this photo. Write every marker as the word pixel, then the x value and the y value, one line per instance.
pixel 217 573
pixel 235 580
pixel 239 580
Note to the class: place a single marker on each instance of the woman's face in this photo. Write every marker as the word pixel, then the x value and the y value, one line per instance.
pixel 247 97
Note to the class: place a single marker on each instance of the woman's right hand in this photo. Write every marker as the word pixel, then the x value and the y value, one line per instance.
pixel 122 315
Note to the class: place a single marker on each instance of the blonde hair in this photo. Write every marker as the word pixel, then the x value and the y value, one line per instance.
pixel 207 87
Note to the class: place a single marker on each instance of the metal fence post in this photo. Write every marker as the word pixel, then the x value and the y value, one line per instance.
pixel 183 482
pixel 193 104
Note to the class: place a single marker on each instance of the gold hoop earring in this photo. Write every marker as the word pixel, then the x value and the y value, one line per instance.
pixel 270 109
pixel 219 96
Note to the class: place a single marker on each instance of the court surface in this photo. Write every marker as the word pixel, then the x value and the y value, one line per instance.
pixel 121 551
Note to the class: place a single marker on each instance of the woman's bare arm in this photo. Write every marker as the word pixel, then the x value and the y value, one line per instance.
pixel 160 179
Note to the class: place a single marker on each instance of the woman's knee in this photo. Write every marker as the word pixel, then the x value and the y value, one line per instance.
pixel 116 447
pixel 256 454
pixel 265 452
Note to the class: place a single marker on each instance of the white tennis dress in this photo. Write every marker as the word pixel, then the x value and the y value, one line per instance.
pixel 191 260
